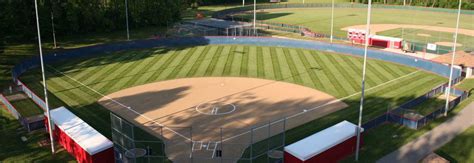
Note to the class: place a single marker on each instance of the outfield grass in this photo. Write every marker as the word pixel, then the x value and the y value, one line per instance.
pixel 319 19
pixel 27 108
pixel 338 75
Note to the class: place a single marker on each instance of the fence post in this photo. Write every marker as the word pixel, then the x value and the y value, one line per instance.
pixel 251 144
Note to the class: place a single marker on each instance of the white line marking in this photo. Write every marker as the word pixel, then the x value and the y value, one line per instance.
pixel 328 103
pixel 125 106
pixel 214 151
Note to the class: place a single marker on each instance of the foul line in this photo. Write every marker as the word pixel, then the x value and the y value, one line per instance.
pixel 325 104
pixel 125 106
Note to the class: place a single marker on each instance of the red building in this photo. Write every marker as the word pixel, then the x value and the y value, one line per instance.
pixel 79 139
pixel 329 145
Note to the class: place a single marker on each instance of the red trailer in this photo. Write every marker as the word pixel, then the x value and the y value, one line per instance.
pixel 329 145
pixel 79 139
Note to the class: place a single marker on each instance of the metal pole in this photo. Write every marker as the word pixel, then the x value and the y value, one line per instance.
pixel 359 127
pixel 50 129
pixel 452 61
pixel 332 21
pixel 243 3
pixel 404 2
pixel 54 32
pixel 126 19
pixel 254 16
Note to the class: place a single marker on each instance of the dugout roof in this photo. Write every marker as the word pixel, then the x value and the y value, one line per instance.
pixel 322 141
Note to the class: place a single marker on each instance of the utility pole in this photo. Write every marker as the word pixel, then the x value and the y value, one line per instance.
pixel 450 83
pixel 359 127
pixel 54 32
pixel 254 17
pixel 126 19
pixel 332 21
pixel 50 129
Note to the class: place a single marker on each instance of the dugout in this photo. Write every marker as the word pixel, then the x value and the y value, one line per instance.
pixel 385 41
pixel 329 145
pixel 79 139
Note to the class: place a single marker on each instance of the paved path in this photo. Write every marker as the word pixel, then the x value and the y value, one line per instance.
pixel 432 140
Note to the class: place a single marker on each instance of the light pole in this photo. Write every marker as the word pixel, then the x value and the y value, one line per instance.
pixel 126 19
pixel 44 80
pixel 448 90
pixel 243 3
pixel 54 32
pixel 254 16
pixel 359 127
pixel 332 21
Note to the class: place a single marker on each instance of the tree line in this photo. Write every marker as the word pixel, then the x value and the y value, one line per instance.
pixel 452 4
pixel 18 21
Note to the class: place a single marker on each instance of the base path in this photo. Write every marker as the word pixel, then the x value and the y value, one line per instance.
pixel 202 115
pixel 432 140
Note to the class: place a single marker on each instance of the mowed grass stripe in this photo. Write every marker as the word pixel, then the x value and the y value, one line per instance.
pixel 326 83
pixel 339 65
pixel 284 67
pixel 252 64
pixel 144 67
pixel 244 67
pixel 352 72
pixel 268 66
pixel 207 61
pixel 335 75
pixel 236 67
pixel 276 64
pixel 101 70
pixel 309 69
pixel 215 58
pixel 260 62
pixel 181 63
pixel 332 79
pixel 228 61
pixel 198 61
pixel 174 64
pixel 122 72
pixel 159 57
pixel 377 70
pixel 356 65
pixel 291 64
pixel 385 70
pixel 301 69
pixel 221 61
pixel 163 66
pixel 92 69
pixel 189 64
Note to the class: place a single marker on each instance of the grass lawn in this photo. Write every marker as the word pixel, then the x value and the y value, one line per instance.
pixel 13 149
pixel 27 108
pixel 336 74
pixel 461 148
pixel 319 19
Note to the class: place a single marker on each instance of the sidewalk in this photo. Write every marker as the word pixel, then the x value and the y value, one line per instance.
pixel 430 141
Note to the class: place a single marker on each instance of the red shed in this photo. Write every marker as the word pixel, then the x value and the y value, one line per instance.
pixel 80 139
pixel 386 42
pixel 329 145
